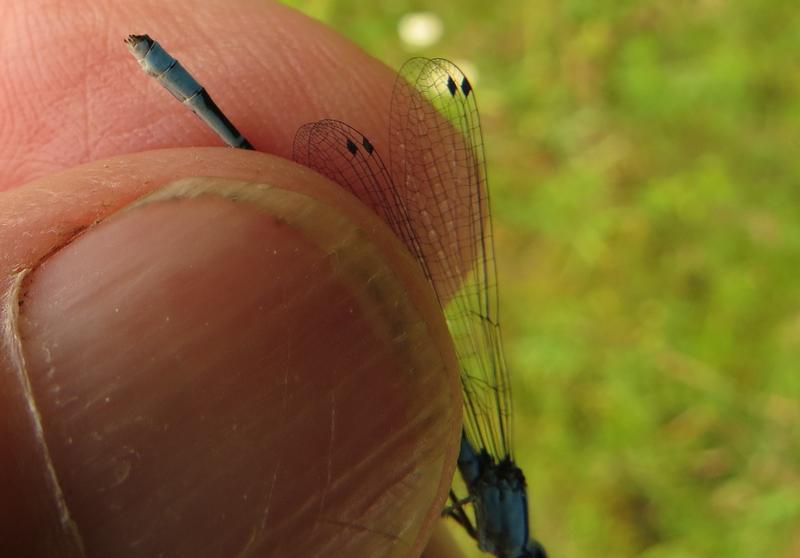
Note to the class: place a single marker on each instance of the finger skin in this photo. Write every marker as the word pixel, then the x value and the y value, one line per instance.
pixel 70 92
pixel 358 465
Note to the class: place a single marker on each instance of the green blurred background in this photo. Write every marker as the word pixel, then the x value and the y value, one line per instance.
pixel 643 161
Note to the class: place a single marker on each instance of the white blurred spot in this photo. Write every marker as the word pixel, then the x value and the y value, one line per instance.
pixel 420 29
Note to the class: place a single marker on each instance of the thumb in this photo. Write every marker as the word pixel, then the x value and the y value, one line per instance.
pixel 243 364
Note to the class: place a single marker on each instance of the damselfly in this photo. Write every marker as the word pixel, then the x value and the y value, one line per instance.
pixel 433 193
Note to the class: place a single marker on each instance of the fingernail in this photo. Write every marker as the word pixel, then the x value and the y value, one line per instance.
pixel 213 365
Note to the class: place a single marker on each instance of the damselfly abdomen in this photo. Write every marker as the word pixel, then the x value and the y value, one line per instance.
pixel 158 63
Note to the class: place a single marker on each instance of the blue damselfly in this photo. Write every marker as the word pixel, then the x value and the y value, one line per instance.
pixel 433 194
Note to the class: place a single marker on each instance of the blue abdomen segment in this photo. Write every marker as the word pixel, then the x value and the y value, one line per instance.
pixel 159 64
pixel 499 498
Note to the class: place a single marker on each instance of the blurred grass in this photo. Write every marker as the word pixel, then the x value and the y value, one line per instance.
pixel 643 160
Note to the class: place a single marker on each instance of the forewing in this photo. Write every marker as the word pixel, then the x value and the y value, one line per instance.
pixel 437 163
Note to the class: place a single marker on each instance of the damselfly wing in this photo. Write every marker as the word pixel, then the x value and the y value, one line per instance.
pixel 434 196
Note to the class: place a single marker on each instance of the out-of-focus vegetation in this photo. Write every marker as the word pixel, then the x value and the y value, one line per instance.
pixel 644 161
